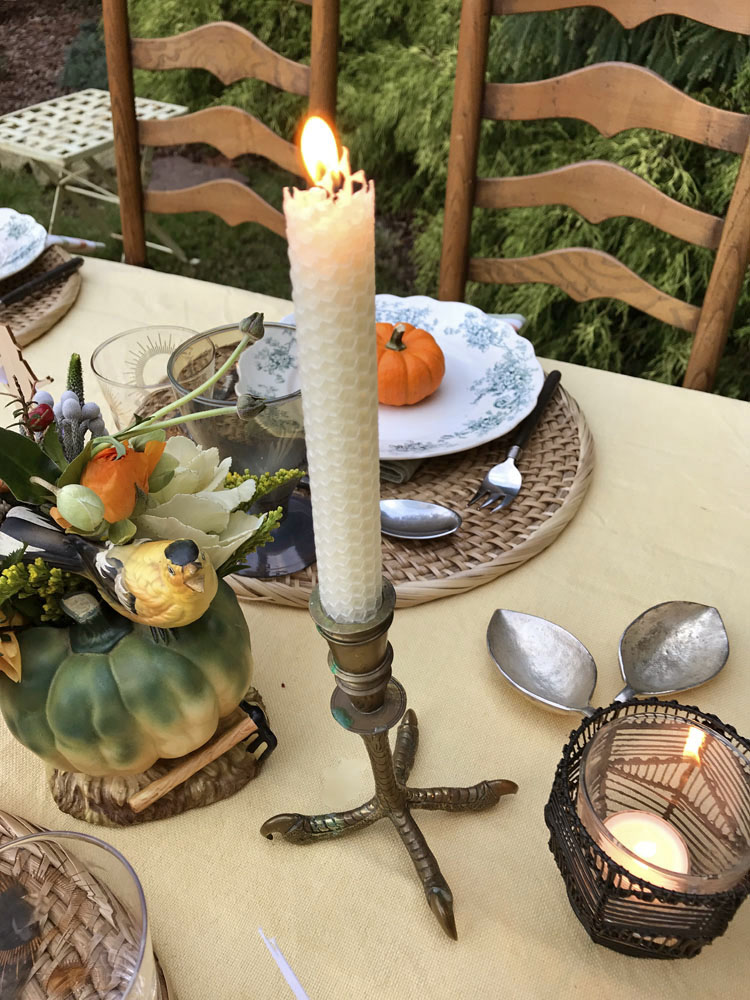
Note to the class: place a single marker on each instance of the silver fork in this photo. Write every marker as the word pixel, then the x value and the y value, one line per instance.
pixel 504 480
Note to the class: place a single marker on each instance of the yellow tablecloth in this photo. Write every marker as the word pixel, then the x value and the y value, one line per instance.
pixel 666 518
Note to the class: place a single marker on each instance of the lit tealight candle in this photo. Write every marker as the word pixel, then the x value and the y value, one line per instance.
pixel 652 838
pixel 331 234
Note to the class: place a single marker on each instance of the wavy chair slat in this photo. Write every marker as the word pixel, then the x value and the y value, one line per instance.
pixel 729 15
pixel 647 101
pixel 587 274
pixel 230 200
pixel 232 131
pixel 228 51
pixel 599 190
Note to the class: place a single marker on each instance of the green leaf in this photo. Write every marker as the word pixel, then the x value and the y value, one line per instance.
pixel 52 447
pixel 74 471
pixel 121 532
pixel 21 458
pixel 163 473
pixel 139 441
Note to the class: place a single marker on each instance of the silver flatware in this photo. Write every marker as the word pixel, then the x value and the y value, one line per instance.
pixel 417 519
pixel 503 481
pixel 543 661
pixel 671 647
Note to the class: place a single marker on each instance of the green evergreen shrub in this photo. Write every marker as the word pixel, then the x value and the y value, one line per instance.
pixel 396 73
pixel 85 60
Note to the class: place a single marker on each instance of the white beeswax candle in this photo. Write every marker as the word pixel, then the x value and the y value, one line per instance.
pixel 332 256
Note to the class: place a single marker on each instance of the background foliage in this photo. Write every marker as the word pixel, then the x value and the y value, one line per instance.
pixel 396 70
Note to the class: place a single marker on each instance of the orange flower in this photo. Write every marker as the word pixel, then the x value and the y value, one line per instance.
pixel 114 479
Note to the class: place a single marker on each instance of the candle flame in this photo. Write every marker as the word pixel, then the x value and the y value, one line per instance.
pixel 320 153
pixel 695 740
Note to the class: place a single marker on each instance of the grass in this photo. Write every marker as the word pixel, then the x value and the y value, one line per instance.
pixel 244 256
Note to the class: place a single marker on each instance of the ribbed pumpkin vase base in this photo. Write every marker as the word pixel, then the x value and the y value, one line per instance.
pixel 104 801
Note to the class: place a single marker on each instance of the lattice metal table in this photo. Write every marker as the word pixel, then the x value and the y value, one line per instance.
pixel 66 134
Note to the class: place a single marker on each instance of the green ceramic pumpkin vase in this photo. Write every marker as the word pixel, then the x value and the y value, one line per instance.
pixel 107 698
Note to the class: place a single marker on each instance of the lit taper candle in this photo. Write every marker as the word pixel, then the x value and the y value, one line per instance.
pixel 331 234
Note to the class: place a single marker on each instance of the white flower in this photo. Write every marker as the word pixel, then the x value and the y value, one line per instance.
pixel 195 505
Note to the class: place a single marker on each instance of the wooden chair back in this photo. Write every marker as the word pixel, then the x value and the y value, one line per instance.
pixel 612 97
pixel 231 53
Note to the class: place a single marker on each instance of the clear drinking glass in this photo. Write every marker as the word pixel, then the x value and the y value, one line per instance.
pixel 132 369
pixel 272 439
pixel 668 800
pixel 73 916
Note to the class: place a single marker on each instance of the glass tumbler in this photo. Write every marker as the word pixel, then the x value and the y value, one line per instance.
pixel 73 916
pixel 272 439
pixel 131 368
pixel 669 801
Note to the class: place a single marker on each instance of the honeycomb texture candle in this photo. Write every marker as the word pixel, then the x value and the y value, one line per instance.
pixel 332 257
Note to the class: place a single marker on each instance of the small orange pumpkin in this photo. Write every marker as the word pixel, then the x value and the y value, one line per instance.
pixel 410 364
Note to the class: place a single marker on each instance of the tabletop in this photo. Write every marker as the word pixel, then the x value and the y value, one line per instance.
pixel 666 518
pixel 65 128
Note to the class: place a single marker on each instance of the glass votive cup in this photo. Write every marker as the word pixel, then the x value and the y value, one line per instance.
pixel 131 369
pixel 668 800
pixel 74 910
pixel 649 821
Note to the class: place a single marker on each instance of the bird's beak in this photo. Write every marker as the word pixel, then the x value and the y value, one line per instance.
pixel 193 578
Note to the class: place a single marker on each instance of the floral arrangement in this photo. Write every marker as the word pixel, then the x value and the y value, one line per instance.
pixel 114 493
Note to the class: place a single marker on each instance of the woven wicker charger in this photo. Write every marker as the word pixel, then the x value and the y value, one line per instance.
pixel 556 465
pixel 73 928
pixel 39 311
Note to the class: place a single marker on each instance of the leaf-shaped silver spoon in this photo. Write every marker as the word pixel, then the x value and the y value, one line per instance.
pixel 543 661
pixel 672 647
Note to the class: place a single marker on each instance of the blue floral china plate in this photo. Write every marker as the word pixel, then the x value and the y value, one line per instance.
pixel 22 240
pixel 492 378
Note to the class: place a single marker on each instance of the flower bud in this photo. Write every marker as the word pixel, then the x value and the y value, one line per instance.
pixel 249 406
pixel 41 416
pixel 71 409
pixel 43 397
pixel 81 506
pixel 90 411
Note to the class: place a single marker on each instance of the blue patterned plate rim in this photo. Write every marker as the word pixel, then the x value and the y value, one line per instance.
pixel 492 379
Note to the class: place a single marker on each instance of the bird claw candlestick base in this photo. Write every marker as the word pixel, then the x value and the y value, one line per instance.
pixel 369 702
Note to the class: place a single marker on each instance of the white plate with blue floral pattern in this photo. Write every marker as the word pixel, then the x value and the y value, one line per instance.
pixel 22 239
pixel 492 378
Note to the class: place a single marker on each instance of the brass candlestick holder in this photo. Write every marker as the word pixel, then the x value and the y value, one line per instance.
pixel 369 701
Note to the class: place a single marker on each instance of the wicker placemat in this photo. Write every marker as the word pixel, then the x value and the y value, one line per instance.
pixel 74 932
pixel 39 311
pixel 556 466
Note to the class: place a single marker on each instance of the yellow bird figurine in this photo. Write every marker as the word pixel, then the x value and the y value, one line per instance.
pixel 164 584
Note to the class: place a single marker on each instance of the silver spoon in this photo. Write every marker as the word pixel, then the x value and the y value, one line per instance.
pixel 543 661
pixel 671 647
pixel 417 519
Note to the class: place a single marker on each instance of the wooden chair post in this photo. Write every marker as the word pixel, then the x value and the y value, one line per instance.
pixel 724 286
pixel 471 64
pixel 323 59
pixel 125 126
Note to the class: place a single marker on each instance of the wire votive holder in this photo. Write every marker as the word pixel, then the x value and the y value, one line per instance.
pixel 649 820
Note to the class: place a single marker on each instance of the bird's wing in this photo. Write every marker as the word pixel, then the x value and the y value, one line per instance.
pixel 110 579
